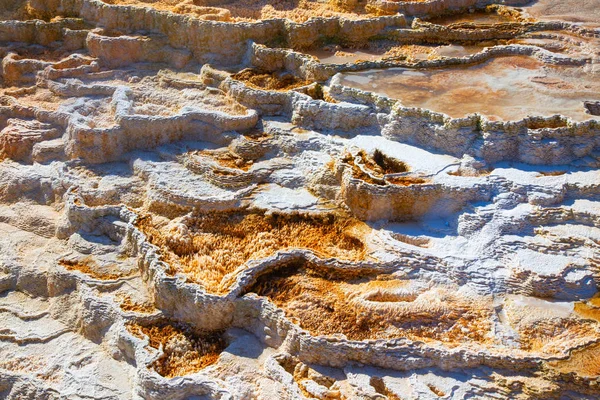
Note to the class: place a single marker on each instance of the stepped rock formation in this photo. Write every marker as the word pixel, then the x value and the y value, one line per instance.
pixel 345 199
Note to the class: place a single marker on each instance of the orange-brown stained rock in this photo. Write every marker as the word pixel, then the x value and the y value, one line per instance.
pixel 382 164
pixel 406 181
pixel 256 135
pixel 584 362
pixel 325 303
pixel 435 390
pixel 91 268
pixel 199 8
pixel 551 173
pixel 462 172
pixel 589 309
pixel 381 388
pixel 184 352
pixel 357 173
pixel 595 301
pixel 379 165
pixel 127 304
pixel 479 18
pixel 303 374
pixel 22 10
pixel 228 159
pixel 249 10
pixel 326 311
pixel 219 242
pixel 269 81
pixel 36 97
pixel 549 336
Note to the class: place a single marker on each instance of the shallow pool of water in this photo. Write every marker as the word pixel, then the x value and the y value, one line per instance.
pixel 474 18
pixel 343 56
pixel 417 53
pixel 508 88
pixel 454 50
pixel 582 11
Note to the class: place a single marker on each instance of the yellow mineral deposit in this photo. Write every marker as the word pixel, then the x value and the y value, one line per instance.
pixel 214 244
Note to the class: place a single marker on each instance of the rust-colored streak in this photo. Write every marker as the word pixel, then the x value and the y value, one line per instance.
pixel 184 351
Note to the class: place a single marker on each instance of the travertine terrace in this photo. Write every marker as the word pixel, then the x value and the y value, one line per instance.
pixel 336 199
